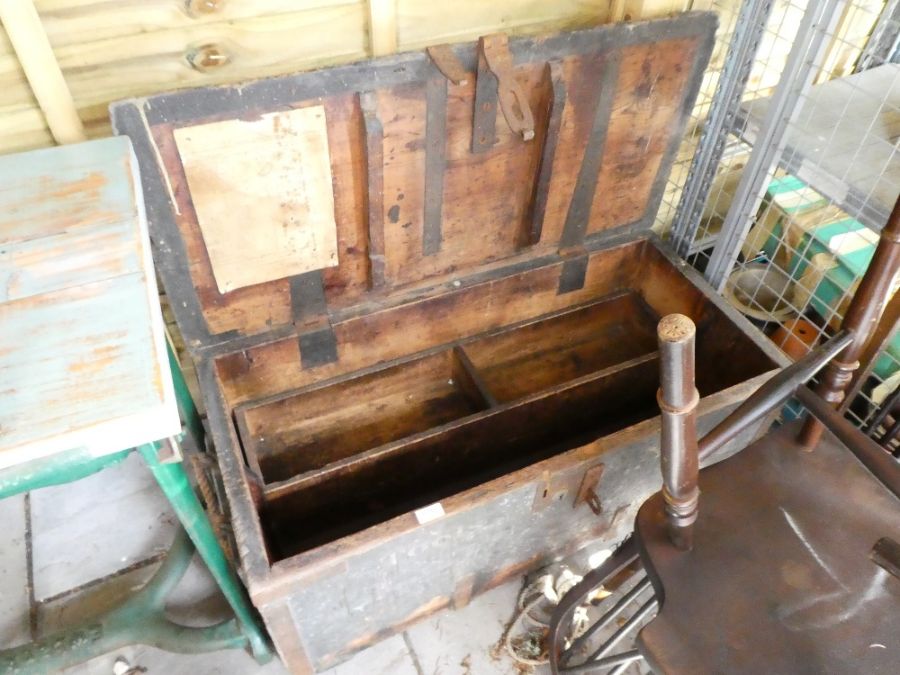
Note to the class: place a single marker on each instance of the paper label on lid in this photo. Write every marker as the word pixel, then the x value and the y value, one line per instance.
pixel 263 193
pixel 428 513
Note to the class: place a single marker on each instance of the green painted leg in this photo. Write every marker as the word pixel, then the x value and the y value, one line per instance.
pixel 174 482
pixel 190 418
pixel 139 620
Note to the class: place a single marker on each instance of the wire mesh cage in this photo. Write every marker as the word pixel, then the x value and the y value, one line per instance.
pixel 798 124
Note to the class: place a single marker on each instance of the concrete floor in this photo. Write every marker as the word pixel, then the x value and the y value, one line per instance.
pixel 70 551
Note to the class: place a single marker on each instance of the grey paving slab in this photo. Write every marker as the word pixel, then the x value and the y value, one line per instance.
pixel 157 662
pixel 463 642
pixel 390 657
pixel 88 529
pixel 14 605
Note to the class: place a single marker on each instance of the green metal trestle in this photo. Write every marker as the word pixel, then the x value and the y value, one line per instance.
pixel 141 618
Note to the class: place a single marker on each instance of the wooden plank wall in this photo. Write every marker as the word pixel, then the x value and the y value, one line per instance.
pixel 113 50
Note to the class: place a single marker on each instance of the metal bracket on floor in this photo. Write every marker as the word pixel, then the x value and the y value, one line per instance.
pixel 139 620
pixel 174 482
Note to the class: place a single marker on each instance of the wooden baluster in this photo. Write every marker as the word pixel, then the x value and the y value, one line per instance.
pixel 678 398
pixel 861 320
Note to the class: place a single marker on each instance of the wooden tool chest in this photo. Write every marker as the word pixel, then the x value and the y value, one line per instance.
pixel 422 294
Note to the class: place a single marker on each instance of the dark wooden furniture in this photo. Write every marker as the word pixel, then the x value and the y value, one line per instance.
pixel 788 560
pixel 440 372
pixel 884 426
pixel 780 579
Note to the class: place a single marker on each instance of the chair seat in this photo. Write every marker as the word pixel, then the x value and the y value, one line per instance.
pixel 779 579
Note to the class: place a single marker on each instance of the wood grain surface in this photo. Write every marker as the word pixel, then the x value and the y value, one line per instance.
pixel 82 352
pixel 262 192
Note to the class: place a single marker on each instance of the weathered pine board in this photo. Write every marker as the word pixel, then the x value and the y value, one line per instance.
pixel 262 193
pixel 82 349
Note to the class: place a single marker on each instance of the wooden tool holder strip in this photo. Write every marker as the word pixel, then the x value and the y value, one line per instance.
pixel 571 243
pixel 374 134
pixel 555 96
pixel 435 159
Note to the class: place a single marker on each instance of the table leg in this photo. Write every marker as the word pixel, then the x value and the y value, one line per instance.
pixel 190 418
pixel 140 619
pixel 173 481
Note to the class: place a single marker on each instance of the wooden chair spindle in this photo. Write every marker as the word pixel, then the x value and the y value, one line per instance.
pixel 678 399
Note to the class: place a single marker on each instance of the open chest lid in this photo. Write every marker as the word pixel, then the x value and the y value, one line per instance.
pixel 277 204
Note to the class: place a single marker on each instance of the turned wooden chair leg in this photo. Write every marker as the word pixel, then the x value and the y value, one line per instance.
pixel 678 399
pixel 861 320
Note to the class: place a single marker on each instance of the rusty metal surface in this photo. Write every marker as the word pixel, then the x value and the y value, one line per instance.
pixel 513 101
pixel 780 579
pixel 447 62
pixel 588 490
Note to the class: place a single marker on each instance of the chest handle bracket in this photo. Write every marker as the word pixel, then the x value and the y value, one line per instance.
pixel 496 82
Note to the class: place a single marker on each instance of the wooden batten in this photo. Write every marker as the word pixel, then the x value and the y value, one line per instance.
pixel 23 26
pixel 552 106
pixel 374 133
pixel 435 159
pixel 383 26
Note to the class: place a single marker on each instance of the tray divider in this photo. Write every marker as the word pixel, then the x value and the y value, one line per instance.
pixel 280 489
pixel 466 375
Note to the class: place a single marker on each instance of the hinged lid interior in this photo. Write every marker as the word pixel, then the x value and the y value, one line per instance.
pixel 277 203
